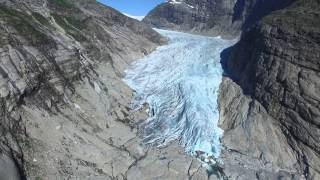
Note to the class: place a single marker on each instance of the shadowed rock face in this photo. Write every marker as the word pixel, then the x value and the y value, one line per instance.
pixel 212 17
pixel 64 110
pixel 275 94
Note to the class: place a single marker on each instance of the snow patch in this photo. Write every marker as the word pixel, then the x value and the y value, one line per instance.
pixel 97 87
pixel 77 106
pixel 179 2
pixel 58 127
pixel 174 2
pixel 139 18
pixel 190 6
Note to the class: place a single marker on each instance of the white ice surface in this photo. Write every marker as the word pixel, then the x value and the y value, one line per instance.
pixel 180 82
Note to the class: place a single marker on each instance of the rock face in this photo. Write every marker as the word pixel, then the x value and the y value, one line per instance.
pixel 64 111
pixel 269 101
pixel 212 17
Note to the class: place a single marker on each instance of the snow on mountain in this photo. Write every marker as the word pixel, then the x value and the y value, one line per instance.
pixel 135 17
pixel 174 2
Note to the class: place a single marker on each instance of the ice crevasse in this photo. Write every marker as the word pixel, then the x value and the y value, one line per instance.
pixel 180 82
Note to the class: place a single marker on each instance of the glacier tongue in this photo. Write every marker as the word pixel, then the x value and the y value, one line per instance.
pixel 180 83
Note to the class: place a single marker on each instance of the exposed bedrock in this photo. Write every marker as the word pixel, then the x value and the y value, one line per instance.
pixel 269 100
pixel 212 17
pixel 64 110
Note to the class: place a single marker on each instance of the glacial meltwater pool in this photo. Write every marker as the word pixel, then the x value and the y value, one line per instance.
pixel 180 82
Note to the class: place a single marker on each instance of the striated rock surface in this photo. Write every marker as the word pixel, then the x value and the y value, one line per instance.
pixel 269 101
pixel 211 17
pixel 64 111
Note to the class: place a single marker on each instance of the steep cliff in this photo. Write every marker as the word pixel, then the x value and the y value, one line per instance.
pixel 65 113
pixel 269 101
pixel 212 17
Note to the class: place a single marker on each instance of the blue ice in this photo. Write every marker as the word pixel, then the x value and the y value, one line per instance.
pixel 180 82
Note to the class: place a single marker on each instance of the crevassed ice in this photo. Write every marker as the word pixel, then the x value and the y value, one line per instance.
pixel 180 83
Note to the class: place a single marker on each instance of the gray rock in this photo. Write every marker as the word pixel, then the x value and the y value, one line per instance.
pixel 64 110
pixel 212 17
pixel 8 169
pixel 272 129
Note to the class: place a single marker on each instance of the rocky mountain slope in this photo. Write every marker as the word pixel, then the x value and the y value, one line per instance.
pixel 65 113
pixel 269 100
pixel 211 17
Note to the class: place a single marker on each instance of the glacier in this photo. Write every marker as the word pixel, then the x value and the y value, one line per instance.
pixel 180 82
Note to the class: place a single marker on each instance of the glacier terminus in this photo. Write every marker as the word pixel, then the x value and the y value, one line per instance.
pixel 180 82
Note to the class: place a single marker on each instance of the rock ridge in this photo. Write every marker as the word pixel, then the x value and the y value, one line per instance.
pixel 64 110
pixel 273 84
pixel 226 18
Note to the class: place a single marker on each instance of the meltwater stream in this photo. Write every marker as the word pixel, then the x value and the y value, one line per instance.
pixel 180 83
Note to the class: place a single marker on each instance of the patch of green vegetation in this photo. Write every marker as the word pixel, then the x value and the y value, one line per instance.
pixel 41 19
pixel 21 22
pixel 3 41
pixel 68 22
pixel 71 25
pixel 61 3
pixel 75 22
pixel 60 20
pixel 38 178
pixel 4 11
pixel 88 1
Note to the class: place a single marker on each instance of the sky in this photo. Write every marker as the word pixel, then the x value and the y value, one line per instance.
pixel 132 7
